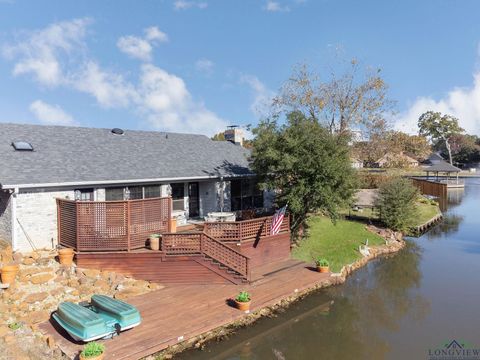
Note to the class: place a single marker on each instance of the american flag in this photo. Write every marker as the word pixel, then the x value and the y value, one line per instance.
pixel 277 220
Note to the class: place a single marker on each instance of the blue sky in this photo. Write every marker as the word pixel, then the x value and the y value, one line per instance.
pixel 199 65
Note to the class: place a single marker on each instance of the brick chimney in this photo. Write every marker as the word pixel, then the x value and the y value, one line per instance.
pixel 234 134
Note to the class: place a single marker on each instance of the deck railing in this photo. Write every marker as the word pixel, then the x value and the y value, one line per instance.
pixel 203 244
pixel 111 225
pixel 244 230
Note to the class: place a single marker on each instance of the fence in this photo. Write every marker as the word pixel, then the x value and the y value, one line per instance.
pixel 111 225
pixel 244 230
pixel 436 189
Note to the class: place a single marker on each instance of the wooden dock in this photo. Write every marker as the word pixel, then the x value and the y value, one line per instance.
pixel 181 312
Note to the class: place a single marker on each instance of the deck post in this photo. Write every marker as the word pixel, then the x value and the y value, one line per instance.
pixel 128 225
pixel 59 216
pixel 77 238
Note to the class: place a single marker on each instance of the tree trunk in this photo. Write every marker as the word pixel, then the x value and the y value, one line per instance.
pixel 447 144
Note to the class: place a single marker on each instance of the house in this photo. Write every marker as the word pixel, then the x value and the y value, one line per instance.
pixel 43 163
pixel 396 160
pixel 356 163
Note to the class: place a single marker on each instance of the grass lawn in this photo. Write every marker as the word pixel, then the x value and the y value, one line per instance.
pixel 426 212
pixel 336 243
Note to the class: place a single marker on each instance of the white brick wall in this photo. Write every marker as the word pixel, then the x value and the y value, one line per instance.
pixel 37 215
pixel 5 216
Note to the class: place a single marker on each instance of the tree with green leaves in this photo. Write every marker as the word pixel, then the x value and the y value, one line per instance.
pixel 396 203
pixel 439 128
pixel 307 166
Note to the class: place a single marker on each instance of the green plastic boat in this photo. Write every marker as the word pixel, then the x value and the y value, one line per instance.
pixel 104 317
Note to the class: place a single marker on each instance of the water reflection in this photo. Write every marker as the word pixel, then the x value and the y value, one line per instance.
pixel 338 322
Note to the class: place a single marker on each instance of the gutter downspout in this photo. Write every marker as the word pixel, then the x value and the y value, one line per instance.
pixel 13 204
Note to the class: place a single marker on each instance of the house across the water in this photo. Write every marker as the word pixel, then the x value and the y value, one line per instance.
pixel 40 164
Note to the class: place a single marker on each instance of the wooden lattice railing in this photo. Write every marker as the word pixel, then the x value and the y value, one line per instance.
pixel 201 243
pixel 244 230
pixel 111 225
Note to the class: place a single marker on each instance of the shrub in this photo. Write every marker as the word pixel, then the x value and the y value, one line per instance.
pixel 15 326
pixel 243 297
pixel 396 203
pixel 92 349
pixel 322 262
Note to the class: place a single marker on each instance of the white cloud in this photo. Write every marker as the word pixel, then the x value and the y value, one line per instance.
pixel 135 47
pixel 262 94
pixel 40 53
pixel 204 66
pixel 160 97
pixel 141 48
pixel 166 101
pixel 184 4
pixel 50 114
pixel 109 89
pixel 275 6
pixel 461 102
pixel 154 34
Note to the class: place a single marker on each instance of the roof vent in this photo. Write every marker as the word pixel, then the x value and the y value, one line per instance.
pixel 117 131
pixel 22 146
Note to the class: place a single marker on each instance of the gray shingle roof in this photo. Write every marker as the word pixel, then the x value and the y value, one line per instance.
pixel 441 166
pixel 76 155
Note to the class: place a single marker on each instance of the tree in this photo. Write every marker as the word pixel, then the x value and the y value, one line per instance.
pixel 440 128
pixel 465 148
pixel 351 98
pixel 396 203
pixel 307 166
pixel 219 137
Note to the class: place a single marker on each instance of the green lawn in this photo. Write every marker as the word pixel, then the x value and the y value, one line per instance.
pixel 336 243
pixel 425 213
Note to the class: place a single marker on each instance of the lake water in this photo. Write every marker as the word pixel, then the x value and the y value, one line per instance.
pixel 398 307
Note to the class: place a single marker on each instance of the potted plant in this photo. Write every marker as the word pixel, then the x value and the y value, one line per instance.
pixel 93 351
pixel 65 256
pixel 243 300
pixel 9 272
pixel 322 265
pixel 154 240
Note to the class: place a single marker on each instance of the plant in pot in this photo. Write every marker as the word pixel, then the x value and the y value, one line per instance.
pixel 322 265
pixel 93 351
pixel 154 241
pixel 243 300
pixel 65 256
pixel 9 272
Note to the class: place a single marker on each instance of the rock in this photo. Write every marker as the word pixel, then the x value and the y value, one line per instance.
pixel 43 261
pixel 102 285
pixel 91 273
pixel 5 252
pixel 84 281
pixel 51 342
pixel 4 330
pixel 73 283
pixel 38 316
pixel 41 278
pixel 35 255
pixel 28 261
pixel 9 339
pixel 17 257
pixel 128 293
pixel 33 298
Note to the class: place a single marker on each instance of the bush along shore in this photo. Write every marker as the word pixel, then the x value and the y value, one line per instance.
pixel 393 242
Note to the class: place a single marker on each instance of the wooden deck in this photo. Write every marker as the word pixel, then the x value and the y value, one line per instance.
pixel 179 312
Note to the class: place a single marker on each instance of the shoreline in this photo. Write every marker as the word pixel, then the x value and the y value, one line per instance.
pixel 221 332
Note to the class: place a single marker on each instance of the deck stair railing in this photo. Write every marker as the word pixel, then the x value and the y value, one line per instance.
pixel 210 248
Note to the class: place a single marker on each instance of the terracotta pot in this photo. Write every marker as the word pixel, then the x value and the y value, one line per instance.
pixel 323 269
pixel 65 256
pixel 9 272
pixel 173 225
pixel 99 357
pixel 243 306
pixel 154 243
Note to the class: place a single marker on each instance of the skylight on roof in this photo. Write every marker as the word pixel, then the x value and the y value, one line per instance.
pixel 22 146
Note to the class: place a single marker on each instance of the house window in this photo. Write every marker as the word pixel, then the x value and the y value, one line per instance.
pixel 112 194
pixel 178 194
pixel 136 192
pixel 151 191
pixel 84 194
pixel 245 194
